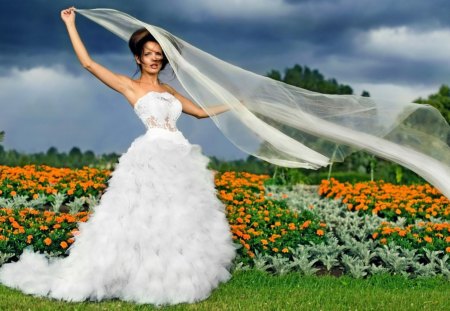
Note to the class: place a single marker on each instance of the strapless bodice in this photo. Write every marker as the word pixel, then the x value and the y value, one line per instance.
pixel 159 110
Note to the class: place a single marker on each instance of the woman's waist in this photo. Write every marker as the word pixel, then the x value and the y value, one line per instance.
pixel 162 132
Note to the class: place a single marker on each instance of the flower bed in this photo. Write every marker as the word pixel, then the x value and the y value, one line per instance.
pixel 352 229
pixel 32 181
pixel 263 224
pixel 47 231
pixel 423 212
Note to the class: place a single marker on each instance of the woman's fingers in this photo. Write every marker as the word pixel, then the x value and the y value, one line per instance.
pixel 68 14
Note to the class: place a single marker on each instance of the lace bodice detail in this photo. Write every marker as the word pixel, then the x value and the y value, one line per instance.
pixel 158 110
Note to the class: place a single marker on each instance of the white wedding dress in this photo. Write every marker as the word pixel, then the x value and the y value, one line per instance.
pixel 159 234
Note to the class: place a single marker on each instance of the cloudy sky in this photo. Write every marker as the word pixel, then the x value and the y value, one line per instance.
pixel 394 49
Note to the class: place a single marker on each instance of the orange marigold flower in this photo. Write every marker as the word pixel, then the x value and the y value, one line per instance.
pixel 428 239
pixel 285 250
pixel 374 235
pixel 264 242
pixel 447 249
pixel 47 241
pixel 275 249
pixel 63 244
pixel 29 238
pixel 306 224
pixel 319 232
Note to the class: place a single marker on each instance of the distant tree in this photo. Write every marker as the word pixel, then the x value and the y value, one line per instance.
pixel 365 94
pixel 311 80
pixel 274 74
pixel 75 152
pixel 2 135
pixel 89 156
pixel 52 151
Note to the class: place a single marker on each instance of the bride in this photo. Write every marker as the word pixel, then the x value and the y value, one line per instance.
pixel 159 234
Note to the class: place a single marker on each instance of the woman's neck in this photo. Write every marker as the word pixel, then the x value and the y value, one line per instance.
pixel 149 79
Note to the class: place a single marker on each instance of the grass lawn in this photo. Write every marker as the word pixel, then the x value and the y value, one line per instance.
pixel 255 290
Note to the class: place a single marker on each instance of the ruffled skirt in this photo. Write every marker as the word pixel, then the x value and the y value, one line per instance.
pixel 159 234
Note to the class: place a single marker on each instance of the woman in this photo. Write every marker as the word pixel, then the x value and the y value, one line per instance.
pixel 159 234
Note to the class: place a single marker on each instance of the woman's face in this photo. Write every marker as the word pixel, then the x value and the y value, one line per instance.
pixel 151 58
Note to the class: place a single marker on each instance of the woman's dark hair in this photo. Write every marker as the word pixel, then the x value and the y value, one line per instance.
pixel 137 42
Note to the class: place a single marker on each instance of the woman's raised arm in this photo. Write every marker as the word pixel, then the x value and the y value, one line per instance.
pixel 120 83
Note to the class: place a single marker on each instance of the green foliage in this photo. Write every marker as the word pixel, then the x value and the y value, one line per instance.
pixel 74 159
pixel 365 94
pixel 440 100
pixel 288 176
pixel 311 80
pixel 251 165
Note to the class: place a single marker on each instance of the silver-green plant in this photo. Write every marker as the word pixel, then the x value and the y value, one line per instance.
pixel 423 270
pixel 4 202
pixel 4 257
pixel 364 251
pixel 76 205
pixel 59 199
pixel 281 264
pixel 261 261
pixel 19 201
pixel 327 253
pixel 239 266
pixel 39 202
pixel 355 266
pixel 92 201
pixel 443 265
pixel 390 255
pixel 377 269
pixel 301 260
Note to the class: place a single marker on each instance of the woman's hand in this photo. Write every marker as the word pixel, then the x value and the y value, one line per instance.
pixel 68 15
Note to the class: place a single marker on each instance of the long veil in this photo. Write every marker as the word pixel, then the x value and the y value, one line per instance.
pixel 293 127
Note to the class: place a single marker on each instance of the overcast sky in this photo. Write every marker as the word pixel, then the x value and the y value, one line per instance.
pixel 393 49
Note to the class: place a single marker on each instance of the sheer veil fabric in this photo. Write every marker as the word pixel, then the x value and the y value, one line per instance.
pixel 293 127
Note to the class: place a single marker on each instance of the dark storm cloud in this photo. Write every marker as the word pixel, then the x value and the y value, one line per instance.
pixel 324 27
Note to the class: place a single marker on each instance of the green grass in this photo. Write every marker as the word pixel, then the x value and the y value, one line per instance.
pixel 255 290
